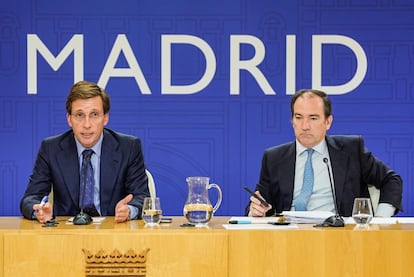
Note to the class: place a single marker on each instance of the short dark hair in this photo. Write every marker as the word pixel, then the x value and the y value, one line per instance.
pixel 85 90
pixel 326 101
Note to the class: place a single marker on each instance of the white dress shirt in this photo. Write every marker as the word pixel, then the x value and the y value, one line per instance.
pixel 96 162
pixel 321 198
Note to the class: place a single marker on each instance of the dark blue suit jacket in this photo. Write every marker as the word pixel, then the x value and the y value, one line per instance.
pixel 353 166
pixel 57 166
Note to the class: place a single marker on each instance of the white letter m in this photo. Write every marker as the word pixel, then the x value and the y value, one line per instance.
pixel 34 45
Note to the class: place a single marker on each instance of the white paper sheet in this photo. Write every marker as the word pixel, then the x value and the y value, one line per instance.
pixel 385 220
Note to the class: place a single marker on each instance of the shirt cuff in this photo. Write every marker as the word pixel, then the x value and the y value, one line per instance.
pixel 384 210
pixel 133 212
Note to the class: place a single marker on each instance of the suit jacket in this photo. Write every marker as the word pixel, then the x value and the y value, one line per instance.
pixel 57 166
pixel 353 166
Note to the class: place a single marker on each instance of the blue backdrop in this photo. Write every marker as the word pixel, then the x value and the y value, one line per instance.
pixel 206 84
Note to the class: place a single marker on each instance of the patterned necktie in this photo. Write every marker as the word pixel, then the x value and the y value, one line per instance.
pixel 88 183
pixel 303 198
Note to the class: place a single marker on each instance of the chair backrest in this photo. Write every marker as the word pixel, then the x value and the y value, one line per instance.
pixel 151 184
pixel 374 194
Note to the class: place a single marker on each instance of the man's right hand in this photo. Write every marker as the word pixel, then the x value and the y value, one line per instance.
pixel 256 207
pixel 43 213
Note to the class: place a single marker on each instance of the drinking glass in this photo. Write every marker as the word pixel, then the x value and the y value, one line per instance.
pixel 362 212
pixel 151 211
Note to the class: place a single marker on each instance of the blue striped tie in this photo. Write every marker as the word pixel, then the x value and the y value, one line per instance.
pixel 302 200
pixel 88 177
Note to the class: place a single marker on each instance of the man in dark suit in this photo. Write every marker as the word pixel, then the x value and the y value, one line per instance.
pixel 120 181
pixel 353 167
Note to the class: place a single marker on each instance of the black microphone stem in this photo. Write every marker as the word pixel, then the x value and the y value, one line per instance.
pixel 85 177
pixel 325 160
pixel 335 220
pixel 83 218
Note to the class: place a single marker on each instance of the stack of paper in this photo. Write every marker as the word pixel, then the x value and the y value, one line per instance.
pixel 311 217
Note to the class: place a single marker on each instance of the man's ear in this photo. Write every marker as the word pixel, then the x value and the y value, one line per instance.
pixel 329 120
pixel 68 119
pixel 106 118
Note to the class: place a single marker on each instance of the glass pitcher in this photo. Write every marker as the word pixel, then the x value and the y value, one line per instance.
pixel 198 209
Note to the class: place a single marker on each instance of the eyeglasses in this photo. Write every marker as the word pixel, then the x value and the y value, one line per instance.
pixel 93 116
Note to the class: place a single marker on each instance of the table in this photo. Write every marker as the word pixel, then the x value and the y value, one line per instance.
pixel 28 249
pixel 380 251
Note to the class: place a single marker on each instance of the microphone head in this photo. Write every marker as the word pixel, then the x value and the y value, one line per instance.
pixel 332 221
pixel 82 219
pixel 325 160
pixel 335 221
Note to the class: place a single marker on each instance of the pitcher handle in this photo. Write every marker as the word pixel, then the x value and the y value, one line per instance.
pixel 219 196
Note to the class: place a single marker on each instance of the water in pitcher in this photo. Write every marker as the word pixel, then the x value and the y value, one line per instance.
pixel 198 209
pixel 198 213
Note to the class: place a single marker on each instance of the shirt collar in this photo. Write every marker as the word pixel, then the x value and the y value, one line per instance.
pixel 320 148
pixel 96 148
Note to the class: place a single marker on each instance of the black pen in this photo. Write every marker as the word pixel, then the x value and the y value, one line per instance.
pixel 257 197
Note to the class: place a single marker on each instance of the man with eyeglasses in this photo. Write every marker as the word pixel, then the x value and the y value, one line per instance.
pixel 117 164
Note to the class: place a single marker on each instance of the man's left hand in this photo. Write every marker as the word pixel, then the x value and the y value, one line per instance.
pixel 122 209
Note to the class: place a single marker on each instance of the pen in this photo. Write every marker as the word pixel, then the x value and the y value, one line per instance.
pixel 245 222
pixel 44 200
pixel 257 197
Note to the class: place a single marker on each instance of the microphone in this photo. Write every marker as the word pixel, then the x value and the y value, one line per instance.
pixel 335 220
pixel 83 218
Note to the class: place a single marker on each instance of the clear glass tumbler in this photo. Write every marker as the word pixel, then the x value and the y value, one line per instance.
pixel 362 212
pixel 151 210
